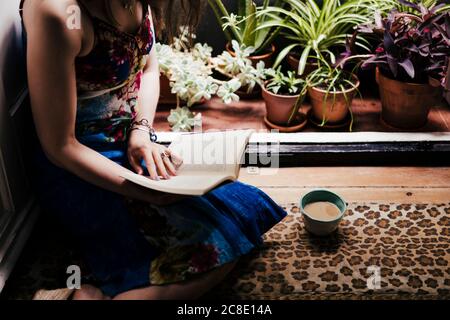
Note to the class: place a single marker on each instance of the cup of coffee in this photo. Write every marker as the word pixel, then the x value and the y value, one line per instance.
pixel 322 211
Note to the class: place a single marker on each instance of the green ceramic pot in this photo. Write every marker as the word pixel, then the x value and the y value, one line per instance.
pixel 322 227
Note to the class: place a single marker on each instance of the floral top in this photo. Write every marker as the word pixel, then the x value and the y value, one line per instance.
pixel 108 81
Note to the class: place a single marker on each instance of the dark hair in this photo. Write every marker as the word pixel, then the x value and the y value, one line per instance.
pixel 169 15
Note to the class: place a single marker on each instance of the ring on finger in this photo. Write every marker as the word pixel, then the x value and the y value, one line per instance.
pixel 167 153
pixel 176 162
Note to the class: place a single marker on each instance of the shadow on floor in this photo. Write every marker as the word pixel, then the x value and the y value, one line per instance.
pixel 42 264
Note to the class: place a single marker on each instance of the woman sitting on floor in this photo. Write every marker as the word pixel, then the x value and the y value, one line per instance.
pixel 94 90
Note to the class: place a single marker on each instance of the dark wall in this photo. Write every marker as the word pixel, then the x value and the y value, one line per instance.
pixel 12 62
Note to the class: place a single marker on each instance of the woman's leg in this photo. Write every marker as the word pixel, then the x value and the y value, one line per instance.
pixel 186 290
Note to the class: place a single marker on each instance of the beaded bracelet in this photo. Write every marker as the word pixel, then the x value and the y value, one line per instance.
pixel 148 128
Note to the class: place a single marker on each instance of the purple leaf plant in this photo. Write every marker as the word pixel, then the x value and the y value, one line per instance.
pixel 411 48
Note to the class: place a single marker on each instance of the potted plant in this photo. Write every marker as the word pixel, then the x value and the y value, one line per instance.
pixel 239 66
pixel 283 95
pixel 412 56
pixel 181 119
pixel 188 74
pixel 415 6
pixel 331 90
pixel 241 27
pixel 185 71
pixel 315 29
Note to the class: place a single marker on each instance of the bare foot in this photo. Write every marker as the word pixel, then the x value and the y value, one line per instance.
pixel 88 292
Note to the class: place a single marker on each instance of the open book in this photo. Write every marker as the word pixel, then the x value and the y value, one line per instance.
pixel 208 160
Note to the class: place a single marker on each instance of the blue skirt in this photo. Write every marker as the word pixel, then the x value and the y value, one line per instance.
pixel 129 244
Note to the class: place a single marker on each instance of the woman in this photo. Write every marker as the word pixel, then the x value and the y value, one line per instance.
pixel 94 90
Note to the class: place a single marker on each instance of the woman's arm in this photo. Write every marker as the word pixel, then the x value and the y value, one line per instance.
pixel 51 52
pixel 149 93
pixel 139 145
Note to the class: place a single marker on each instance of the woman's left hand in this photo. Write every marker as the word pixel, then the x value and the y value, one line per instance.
pixel 158 159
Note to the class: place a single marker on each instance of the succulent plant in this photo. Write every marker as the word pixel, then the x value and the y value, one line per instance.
pixel 279 83
pixel 226 92
pixel 240 67
pixel 190 73
pixel 182 119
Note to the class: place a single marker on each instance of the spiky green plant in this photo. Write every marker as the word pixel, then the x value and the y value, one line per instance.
pixel 333 79
pixel 242 26
pixel 315 29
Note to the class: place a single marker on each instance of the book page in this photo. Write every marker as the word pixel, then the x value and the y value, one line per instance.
pixel 209 159
pixel 218 152
pixel 195 185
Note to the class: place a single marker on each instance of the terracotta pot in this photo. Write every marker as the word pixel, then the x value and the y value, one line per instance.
pixel 335 108
pixel 266 57
pixel 293 62
pixel 255 94
pixel 278 107
pixel 165 94
pixel 405 105
pixel 297 124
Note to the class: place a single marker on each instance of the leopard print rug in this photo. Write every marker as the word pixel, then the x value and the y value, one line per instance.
pixel 380 251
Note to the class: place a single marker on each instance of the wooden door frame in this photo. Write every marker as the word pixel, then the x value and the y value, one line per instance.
pixel 19 206
pixel 346 149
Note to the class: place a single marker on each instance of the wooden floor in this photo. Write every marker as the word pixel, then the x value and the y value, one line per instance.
pixel 357 184
pixel 364 184
pixel 249 114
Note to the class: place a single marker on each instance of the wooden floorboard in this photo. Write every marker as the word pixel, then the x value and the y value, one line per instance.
pixel 250 114
pixel 352 176
pixel 366 195
pixel 365 184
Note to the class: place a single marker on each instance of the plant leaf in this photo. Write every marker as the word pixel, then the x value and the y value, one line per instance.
pixel 389 43
pixel 249 36
pixel 303 60
pixel 409 4
pixel 408 66
pixel 393 65
pixel 284 53
pixel 241 7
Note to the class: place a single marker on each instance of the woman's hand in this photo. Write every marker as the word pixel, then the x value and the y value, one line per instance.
pixel 159 160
